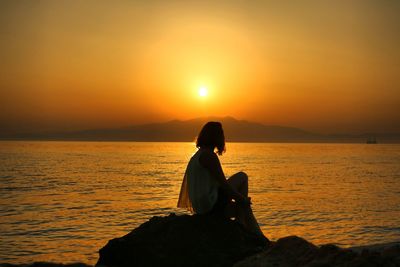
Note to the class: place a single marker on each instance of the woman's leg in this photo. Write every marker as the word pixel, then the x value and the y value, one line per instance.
pixel 244 214
pixel 240 182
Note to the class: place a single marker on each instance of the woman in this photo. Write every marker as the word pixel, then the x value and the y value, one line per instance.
pixel 205 188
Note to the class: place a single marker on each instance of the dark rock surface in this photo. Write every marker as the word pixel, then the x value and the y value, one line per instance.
pixel 295 251
pixel 212 241
pixel 185 240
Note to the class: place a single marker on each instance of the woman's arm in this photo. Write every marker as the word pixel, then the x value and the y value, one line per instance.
pixel 210 161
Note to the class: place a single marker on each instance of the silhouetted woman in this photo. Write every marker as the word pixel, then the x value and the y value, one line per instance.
pixel 205 188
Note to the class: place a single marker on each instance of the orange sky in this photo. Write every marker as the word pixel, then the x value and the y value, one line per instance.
pixel 325 67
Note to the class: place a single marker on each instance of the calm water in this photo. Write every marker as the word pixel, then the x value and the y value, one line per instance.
pixel 62 201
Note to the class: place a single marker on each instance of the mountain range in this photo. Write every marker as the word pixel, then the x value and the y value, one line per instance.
pixel 186 131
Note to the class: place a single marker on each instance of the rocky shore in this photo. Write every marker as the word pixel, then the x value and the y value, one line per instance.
pixel 212 241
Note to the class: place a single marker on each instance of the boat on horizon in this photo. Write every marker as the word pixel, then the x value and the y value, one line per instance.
pixel 372 140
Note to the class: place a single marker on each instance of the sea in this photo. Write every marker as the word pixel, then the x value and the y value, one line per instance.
pixel 62 201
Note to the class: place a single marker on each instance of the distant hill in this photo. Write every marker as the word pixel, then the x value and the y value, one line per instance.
pixel 186 131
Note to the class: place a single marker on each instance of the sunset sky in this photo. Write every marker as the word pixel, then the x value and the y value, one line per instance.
pixel 324 66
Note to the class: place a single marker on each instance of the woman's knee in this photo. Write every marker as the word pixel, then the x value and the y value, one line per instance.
pixel 243 176
pixel 238 180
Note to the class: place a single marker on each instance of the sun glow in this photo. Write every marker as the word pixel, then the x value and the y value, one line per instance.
pixel 203 92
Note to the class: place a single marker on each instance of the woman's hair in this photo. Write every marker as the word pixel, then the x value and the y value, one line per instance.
pixel 212 135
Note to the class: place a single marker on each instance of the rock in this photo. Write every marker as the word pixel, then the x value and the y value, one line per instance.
pixel 287 251
pixel 295 251
pixel 198 240
pixel 392 252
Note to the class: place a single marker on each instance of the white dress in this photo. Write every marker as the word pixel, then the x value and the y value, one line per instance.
pixel 199 191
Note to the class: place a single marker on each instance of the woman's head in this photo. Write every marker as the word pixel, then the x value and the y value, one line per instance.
pixel 212 135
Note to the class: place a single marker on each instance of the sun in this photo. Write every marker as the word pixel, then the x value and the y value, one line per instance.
pixel 203 91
